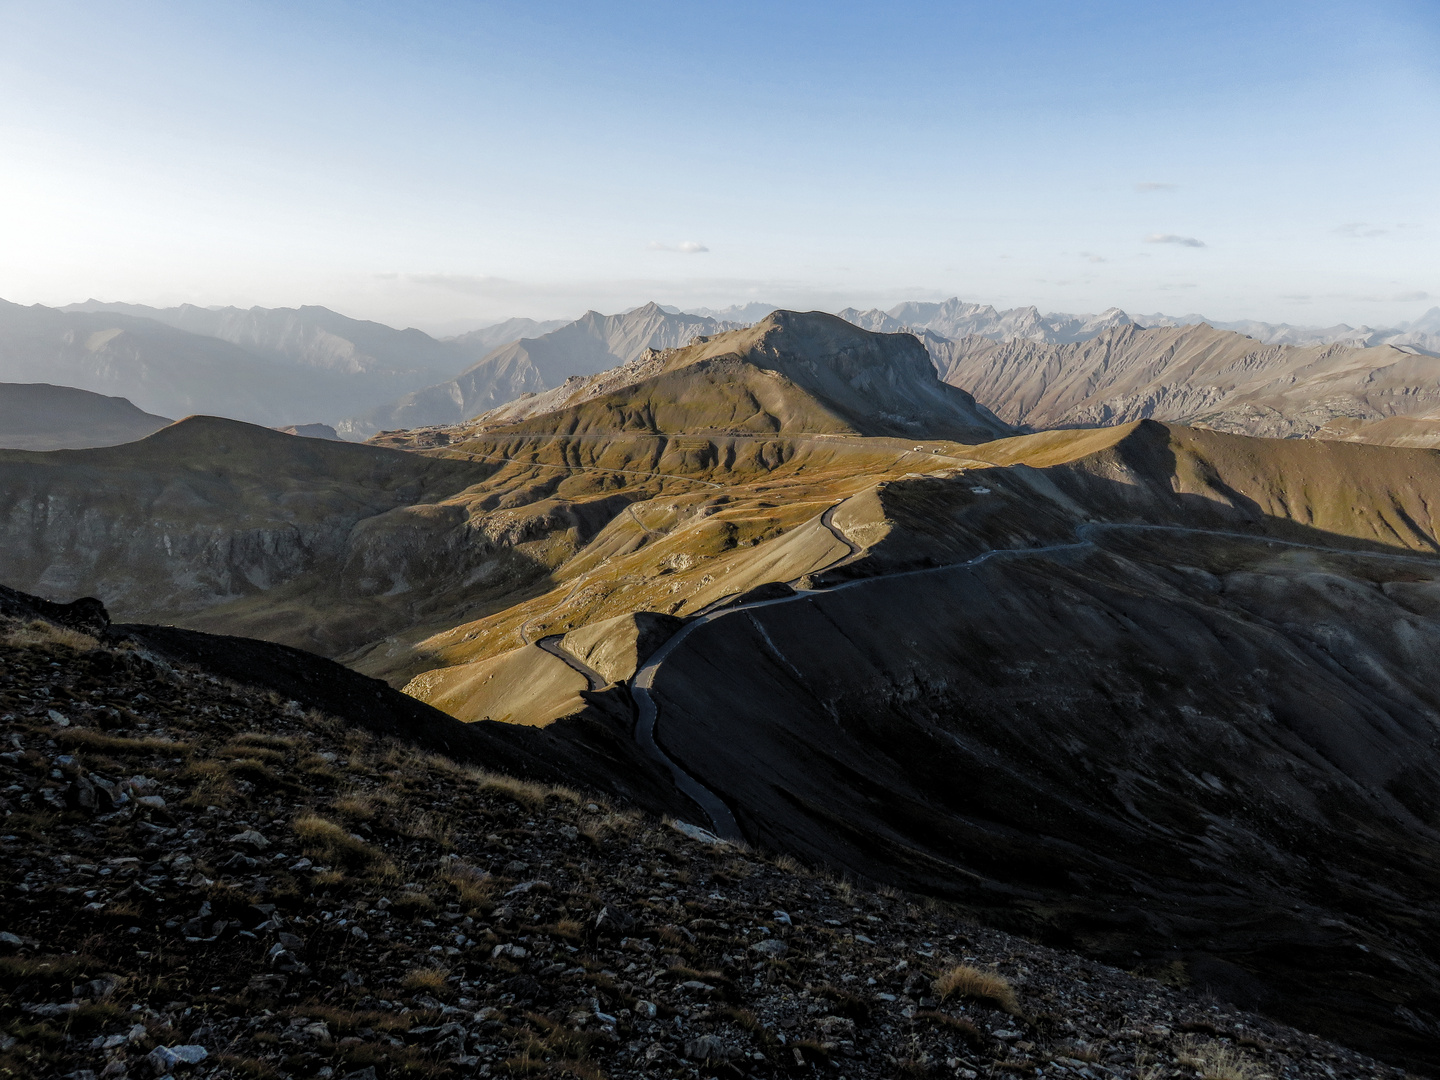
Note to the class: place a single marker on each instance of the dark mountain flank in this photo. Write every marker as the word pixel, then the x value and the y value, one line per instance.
pixel 38 416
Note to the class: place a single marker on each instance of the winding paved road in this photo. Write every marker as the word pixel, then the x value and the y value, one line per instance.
pixel 723 821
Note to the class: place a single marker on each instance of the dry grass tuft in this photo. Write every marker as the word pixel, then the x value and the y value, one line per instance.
pixel 326 840
pixel 472 886
pixel 426 981
pixel 39 634
pixel 524 792
pixel 356 806
pixel 87 739
pixel 422 825
pixel 965 981
pixel 619 825
pixel 1217 1061
pixel 210 783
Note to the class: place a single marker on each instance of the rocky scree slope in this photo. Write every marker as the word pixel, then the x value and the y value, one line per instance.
pixel 202 879
pixel 1191 375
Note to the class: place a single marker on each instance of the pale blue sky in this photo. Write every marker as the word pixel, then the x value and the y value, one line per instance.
pixel 446 164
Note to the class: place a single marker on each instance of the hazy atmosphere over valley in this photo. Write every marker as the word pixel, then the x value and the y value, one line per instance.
pixel 748 541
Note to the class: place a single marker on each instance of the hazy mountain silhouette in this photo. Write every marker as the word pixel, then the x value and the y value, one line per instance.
pixel 590 344
pixel 39 416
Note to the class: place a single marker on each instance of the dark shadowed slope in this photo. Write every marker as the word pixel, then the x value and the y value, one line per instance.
pixel 38 416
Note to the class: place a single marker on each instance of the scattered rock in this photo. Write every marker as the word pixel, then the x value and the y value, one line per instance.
pixel 163 1059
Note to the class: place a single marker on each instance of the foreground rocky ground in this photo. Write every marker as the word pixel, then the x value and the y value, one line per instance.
pixel 202 879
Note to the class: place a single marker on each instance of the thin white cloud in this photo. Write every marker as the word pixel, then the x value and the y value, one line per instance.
pixel 1360 230
pixel 685 247
pixel 1172 238
pixel 1151 185
pixel 1406 296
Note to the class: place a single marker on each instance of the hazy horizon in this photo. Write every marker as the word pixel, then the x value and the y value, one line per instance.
pixel 447 165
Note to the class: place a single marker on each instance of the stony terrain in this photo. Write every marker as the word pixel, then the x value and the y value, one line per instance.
pixel 201 879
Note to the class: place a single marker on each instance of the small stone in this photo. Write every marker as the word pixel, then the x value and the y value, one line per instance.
pixel 613 921
pixel 645 1010
pixel 694 832
pixel 164 1058
pixel 513 952
pixel 10 941
pixel 151 802
pixel 58 718
pixel 772 947
pixel 250 839
pixel 708 1048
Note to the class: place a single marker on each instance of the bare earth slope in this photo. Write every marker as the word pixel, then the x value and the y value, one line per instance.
pixel 38 416
pixel 1190 374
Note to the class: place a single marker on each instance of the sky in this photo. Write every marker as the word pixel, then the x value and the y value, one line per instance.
pixel 444 165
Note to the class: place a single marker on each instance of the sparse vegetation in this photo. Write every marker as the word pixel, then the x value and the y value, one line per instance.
pixel 1217 1061
pixel 325 839
pixel 965 981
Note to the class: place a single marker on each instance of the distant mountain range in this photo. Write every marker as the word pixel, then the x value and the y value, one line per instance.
pixel 287 366
pixel 590 344
pixel 955 319
pixel 1193 375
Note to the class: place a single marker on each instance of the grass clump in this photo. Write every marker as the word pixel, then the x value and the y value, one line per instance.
pixel 965 981
pixel 320 838
pixel 96 742
pixel 426 981
pixel 1217 1061
pixel 39 634
pixel 527 794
